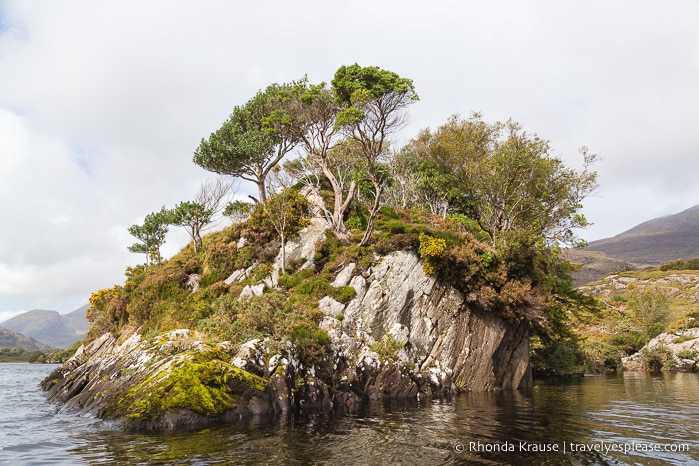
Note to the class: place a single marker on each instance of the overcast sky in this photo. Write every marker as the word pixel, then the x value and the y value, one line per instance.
pixel 103 103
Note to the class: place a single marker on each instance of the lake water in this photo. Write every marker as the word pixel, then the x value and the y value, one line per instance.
pixel 630 419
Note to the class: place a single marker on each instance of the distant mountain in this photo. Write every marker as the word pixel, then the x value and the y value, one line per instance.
pixel 50 327
pixel 10 339
pixel 655 241
pixel 649 244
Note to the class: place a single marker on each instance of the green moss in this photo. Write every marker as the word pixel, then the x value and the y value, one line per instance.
pixel 343 294
pixel 207 387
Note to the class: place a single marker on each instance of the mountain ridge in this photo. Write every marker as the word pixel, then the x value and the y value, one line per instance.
pixel 655 241
pixel 50 327
pixel 10 339
pixel 648 244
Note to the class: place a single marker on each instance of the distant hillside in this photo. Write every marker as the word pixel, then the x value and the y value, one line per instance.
pixel 50 327
pixel 649 244
pixel 594 265
pixel 10 339
pixel 655 241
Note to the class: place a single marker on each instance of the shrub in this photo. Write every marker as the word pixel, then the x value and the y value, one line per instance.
pixel 629 342
pixel 343 294
pixel 387 348
pixel 262 271
pixel 399 242
pixel 654 359
pixel 652 309
pixel 325 250
pixel 678 264
pixel 687 354
pixel 603 356
pixel 557 357
pixel 312 343
pixel 290 281
pixel 433 251
pixel 221 258
pixel 682 339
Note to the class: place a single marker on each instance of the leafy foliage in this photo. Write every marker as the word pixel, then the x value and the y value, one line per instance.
pixel 151 235
pixel 193 216
pixel 680 264
pixel 246 146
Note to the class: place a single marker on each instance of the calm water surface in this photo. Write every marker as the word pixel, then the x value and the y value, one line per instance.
pixel 632 412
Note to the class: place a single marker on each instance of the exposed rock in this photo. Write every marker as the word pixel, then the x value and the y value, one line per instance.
pixel 404 335
pixel 238 275
pixel 304 247
pixel 343 278
pixel 252 290
pixel 676 347
pixel 139 382
pixel 193 282
pixel 441 330
pixel 330 307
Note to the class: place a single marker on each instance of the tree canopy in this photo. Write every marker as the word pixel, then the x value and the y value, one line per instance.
pixel 373 103
pixel 504 178
pixel 246 146
pixel 151 235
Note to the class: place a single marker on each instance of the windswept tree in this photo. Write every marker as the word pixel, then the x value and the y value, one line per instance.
pixel 196 215
pixel 374 103
pixel 522 198
pixel 308 112
pixel 151 235
pixel 246 146
pixel 439 160
pixel 238 211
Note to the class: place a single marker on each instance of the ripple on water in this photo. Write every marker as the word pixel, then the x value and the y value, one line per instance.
pixel 623 410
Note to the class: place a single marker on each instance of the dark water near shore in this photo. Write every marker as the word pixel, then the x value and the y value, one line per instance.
pixel 632 412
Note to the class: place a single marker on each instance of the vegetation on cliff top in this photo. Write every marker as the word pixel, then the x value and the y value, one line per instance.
pixel 486 205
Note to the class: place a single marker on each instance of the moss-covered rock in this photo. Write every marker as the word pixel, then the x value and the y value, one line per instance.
pixel 175 380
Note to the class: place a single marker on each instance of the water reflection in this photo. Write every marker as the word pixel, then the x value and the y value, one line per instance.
pixel 474 428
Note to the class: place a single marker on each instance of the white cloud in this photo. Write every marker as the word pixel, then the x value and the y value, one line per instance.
pixel 102 105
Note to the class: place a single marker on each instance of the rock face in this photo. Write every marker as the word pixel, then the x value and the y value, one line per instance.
pixel 403 335
pixel 432 327
pixel 673 351
pixel 177 381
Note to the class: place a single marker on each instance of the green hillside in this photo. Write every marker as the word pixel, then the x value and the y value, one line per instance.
pixel 635 307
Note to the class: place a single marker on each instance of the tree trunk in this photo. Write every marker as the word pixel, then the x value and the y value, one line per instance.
pixel 372 215
pixel 283 241
pixel 261 192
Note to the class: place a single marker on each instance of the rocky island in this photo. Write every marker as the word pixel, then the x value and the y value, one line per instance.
pixel 359 272
pixel 403 334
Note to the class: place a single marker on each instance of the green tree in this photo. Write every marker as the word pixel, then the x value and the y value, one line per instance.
pixel 287 211
pixel 247 146
pixel 238 211
pixel 652 311
pixel 509 181
pixel 373 103
pixel 308 113
pixel 196 215
pixel 151 235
